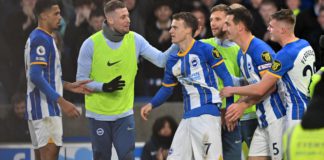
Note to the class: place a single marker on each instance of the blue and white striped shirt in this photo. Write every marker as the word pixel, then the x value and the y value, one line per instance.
pixel 295 64
pixel 41 50
pixel 256 60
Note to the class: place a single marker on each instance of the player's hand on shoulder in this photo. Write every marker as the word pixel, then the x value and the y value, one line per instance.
pixel 145 111
pixel 68 108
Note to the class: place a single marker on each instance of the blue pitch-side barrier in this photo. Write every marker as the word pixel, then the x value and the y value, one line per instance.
pixel 69 151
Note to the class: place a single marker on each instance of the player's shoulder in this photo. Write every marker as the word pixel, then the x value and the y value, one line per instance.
pixel 39 37
pixel 298 44
pixel 202 47
pixel 259 47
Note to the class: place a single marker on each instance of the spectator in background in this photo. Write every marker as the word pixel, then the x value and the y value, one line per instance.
pixel 314 37
pixel 157 33
pixel 76 32
pixel 5 72
pixel 267 8
pixel 294 6
pixel 203 23
pixel 96 20
pixel 163 131
pixel 307 23
pixel 211 3
pixel 258 25
pixel 15 126
pixel 138 12
pixel 18 25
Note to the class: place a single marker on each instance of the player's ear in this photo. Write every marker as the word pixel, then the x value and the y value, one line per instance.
pixel 109 18
pixel 241 26
pixel 42 15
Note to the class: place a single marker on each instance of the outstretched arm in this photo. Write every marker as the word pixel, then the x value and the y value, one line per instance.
pixel 152 54
pixel 259 89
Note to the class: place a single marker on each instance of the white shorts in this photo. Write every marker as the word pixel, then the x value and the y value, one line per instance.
pixel 268 141
pixel 197 138
pixel 46 130
pixel 291 123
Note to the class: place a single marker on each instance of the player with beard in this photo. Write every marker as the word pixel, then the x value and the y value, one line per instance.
pixel 109 58
pixel 232 140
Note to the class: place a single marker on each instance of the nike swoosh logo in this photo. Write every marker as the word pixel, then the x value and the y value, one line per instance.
pixel 113 63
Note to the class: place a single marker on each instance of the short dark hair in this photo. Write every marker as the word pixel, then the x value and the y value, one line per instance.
pixel 285 15
pixel 242 14
pixel 96 13
pixel 113 5
pixel 189 19
pixel 42 5
pixel 220 7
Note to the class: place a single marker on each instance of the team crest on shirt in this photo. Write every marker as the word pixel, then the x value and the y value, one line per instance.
pixel 266 57
pixel 276 65
pixel 216 53
pixel 40 50
pixel 194 62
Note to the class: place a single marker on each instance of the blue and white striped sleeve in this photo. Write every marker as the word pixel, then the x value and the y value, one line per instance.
pixel 84 65
pixel 152 54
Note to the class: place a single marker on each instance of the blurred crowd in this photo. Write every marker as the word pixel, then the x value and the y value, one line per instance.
pixel 150 18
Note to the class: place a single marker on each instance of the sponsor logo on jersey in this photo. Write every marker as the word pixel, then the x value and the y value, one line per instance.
pixel 276 65
pixel 40 50
pixel 266 57
pixel 112 63
pixel 216 53
pixel 40 59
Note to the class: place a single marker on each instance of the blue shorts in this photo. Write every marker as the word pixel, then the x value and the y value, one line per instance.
pixel 120 133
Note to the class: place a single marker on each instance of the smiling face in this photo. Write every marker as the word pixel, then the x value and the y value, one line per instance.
pixel 119 20
pixel 275 29
pixel 231 28
pixel 217 21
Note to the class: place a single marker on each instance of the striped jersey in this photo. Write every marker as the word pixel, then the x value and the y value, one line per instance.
pixel 194 70
pixel 254 62
pixel 294 64
pixel 40 49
